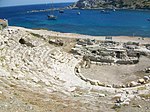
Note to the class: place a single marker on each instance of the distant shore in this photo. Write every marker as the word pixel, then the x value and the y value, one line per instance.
pixel 66 8
pixel 109 9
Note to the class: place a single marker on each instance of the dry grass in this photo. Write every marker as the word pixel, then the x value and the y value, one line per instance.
pixel 2 97
pixel 146 96
pixel 141 88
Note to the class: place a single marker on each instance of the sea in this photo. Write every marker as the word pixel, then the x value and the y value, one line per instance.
pixel 89 22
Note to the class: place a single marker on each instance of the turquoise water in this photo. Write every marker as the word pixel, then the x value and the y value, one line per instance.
pixel 91 22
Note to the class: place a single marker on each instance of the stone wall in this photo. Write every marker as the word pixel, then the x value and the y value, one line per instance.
pixel 139 82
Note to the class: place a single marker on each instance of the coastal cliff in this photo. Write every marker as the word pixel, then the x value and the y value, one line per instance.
pixel 121 4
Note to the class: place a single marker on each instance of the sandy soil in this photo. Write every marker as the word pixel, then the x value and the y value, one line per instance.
pixel 136 106
pixel 117 74
pixel 16 98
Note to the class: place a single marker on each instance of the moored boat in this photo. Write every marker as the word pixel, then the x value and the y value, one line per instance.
pixel 52 16
pixel 78 13
pixel 105 12
pixel 61 11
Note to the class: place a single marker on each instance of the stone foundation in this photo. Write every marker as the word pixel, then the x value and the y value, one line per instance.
pixel 139 82
pixel 109 51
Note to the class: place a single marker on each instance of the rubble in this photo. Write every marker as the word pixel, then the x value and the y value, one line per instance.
pixel 108 51
pixel 56 42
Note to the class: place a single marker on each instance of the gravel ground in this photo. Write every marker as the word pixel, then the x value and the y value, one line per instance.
pixel 117 74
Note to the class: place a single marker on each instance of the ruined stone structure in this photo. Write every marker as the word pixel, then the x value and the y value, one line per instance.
pixel 3 24
pixel 108 51
pixel 139 82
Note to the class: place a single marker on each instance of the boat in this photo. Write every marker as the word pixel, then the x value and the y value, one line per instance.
pixel 78 13
pixel 105 12
pixel 61 11
pixel 114 10
pixel 52 16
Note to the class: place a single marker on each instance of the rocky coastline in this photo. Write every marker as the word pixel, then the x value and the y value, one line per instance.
pixel 111 4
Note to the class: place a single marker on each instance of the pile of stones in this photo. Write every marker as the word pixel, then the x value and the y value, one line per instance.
pixel 57 42
pixel 147 70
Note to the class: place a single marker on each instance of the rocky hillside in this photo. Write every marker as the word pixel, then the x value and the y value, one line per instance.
pixel 125 4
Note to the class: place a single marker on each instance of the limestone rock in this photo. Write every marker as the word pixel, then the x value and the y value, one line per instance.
pixel 117 105
pixel 72 89
pixel 18 77
pixel 100 84
pixel 133 84
pixel 125 103
pixel 35 79
pixel 101 95
pixel 56 42
pixel 139 106
pixel 147 70
pixel 142 81
pixel 146 78
pixel 93 82
pixel 110 86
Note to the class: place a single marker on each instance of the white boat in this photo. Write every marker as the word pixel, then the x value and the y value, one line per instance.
pixel 61 11
pixel 105 12
pixel 52 16
pixel 78 13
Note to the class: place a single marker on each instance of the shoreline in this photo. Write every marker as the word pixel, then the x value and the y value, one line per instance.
pixel 44 32
pixel 68 8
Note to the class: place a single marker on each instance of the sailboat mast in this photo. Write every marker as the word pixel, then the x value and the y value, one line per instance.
pixel 51 16
pixel 52 8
